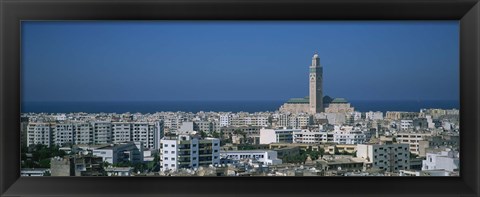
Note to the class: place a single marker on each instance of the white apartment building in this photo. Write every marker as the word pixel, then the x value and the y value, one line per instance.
pixel 412 139
pixel 378 115
pixel 267 157
pixel 299 121
pixel 283 120
pixel 188 151
pixel 39 133
pixel 102 132
pixel 445 160
pixel 63 133
pixel 306 136
pixel 357 115
pixel 225 120
pixel 406 124
pixel 205 126
pixel 173 123
pixel 268 136
pixel 348 135
pixel 121 132
pixel 249 120
pixel 124 152
pixel 141 133
pixel 149 133
pixel 83 133
pixel 388 157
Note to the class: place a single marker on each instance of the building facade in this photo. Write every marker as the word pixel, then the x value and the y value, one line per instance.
pixel 188 151
pixel 267 157
pixel 268 136
pixel 388 157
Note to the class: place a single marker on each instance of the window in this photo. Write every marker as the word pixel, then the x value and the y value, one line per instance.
pixel 166 145
pixel 215 151
pixel 173 152
pixel 173 165
pixel 173 158
pixel 173 145
pixel 166 158
pixel 166 152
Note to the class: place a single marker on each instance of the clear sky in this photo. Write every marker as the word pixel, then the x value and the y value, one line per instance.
pixel 187 60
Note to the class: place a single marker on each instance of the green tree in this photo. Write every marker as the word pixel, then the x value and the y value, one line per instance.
pixel 203 134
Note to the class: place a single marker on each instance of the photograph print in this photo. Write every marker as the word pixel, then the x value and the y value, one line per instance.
pixel 240 98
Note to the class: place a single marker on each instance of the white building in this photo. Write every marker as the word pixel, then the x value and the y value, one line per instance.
pixel 63 133
pixel 149 133
pixel 445 160
pixel 188 151
pixel 267 157
pixel 388 157
pixel 406 124
pixel 83 133
pixel 102 132
pixel 121 132
pixel 299 121
pixel 357 115
pixel 34 171
pixel 306 136
pixel 348 135
pixel 39 133
pixel 378 115
pixel 124 152
pixel 224 120
pixel 268 136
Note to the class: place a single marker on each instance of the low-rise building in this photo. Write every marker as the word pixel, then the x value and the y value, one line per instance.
pixel 34 171
pixel 444 160
pixel 266 157
pixel 388 157
pixel 268 136
pixel 123 152
pixel 348 135
pixel 412 139
pixel 77 165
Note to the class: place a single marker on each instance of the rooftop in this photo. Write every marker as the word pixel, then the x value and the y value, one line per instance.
pixel 305 100
pixel 339 100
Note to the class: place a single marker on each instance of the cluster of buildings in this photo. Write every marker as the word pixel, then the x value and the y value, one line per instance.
pixel 349 142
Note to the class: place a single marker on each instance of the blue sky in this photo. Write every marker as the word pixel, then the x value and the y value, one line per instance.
pixel 262 60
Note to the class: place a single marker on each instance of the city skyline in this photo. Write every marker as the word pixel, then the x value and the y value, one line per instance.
pixel 156 61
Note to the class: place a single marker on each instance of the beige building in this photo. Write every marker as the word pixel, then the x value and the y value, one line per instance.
pixel 339 105
pixel 413 140
pixel 399 115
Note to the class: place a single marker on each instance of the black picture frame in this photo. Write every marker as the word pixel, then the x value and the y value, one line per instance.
pixel 12 12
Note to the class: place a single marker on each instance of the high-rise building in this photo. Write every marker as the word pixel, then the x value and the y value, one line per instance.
pixel 188 151
pixel 316 81
pixel 39 133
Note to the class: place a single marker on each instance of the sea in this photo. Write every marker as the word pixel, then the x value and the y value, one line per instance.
pixel 218 106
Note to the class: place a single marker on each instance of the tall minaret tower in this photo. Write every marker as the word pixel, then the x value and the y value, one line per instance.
pixel 316 82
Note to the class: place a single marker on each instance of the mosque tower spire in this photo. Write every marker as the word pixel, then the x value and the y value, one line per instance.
pixel 316 85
